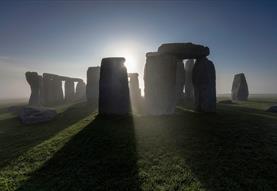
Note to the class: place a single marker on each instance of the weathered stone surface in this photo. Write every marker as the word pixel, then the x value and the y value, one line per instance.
pixel 80 93
pixel 184 50
pixel 34 81
pixel 160 84
pixel 114 98
pixel 189 91
pixel 69 91
pixel 41 90
pixel 92 89
pixel 203 78
pixel 57 90
pixel 135 93
pixel 240 88
pixel 272 109
pixel 48 93
pixel 32 115
pixel 180 80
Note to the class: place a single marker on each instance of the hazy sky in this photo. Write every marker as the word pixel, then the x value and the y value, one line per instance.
pixel 67 37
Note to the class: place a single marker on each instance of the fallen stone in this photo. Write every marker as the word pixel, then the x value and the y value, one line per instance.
pixel 34 115
pixel 226 102
pixel 272 109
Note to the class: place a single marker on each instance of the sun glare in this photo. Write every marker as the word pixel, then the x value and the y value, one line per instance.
pixel 130 57
pixel 130 62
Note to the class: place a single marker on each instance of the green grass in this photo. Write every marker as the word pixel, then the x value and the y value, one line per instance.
pixel 234 149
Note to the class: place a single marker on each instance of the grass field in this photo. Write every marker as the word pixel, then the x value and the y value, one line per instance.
pixel 234 149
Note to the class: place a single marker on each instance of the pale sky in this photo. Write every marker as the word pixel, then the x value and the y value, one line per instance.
pixel 65 38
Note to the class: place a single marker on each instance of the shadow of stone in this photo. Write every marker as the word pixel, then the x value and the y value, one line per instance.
pixel 102 156
pixel 230 150
pixel 16 138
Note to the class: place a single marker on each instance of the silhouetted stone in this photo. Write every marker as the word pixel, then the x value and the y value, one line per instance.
pixel 40 89
pixel 240 88
pixel 189 91
pixel 92 89
pixel 80 93
pixel 135 93
pixel 272 109
pixel 34 82
pixel 180 80
pixel 160 84
pixel 48 86
pixel 114 98
pixel 203 78
pixel 33 115
pixel 69 92
pixel 184 50
pixel 57 90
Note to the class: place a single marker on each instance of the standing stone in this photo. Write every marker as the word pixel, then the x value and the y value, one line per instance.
pixel 46 89
pixel 135 93
pixel 114 98
pixel 180 80
pixel 240 88
pixel 69 92
pixel 49 89
pixel 80 91
pixel 92 89
pixel 160 84
pixel 189 92
pixel 57 90
pixel 34 82
pixel 41 93
pixel 203 78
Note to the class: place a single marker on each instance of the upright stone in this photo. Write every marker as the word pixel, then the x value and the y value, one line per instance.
pixel 114 98
pixel 41 93
pixel 49 89
pixel 92 89
pixel 160 84
pixel 135 93
pixel 57 90
pixel 34 82
pixel 180 80
pixel 80 93
pixel 69 92
pixel 240 88
pixel 203 78
pixel 189 92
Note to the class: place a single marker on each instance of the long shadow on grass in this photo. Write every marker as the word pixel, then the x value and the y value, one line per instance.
pixel 230 150
pixel 102 156
pixel 16 138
